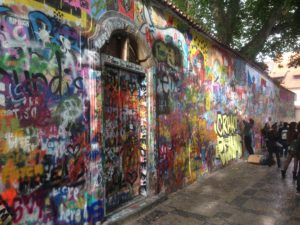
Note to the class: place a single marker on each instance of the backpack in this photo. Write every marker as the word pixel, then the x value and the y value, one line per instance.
pixel 284 134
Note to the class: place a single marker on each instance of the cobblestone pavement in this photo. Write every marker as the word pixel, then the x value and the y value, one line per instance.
pixel 240 194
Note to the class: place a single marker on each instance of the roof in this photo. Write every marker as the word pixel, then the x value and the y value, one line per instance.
pixel 290 76
pixel 203 30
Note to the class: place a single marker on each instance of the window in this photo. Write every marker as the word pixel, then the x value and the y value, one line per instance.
pixel 121 45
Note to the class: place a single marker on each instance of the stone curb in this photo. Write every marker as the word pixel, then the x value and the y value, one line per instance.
pixel 134 209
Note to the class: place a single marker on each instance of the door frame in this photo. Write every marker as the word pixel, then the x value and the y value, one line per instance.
pixel 107 60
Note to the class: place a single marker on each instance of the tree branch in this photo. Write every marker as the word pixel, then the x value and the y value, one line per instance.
pixel 218 12
pixel 278 28
pixel 233 18
pixel 255 45
pixel 225 22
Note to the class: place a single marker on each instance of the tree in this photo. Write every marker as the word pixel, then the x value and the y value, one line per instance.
pixel 255 28
pixel 294 60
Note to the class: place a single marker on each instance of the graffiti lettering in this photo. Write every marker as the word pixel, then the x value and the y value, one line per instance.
pixel 92 213
pixel 12 173
pixel 66 193
pixel 229 144
pixel 32 205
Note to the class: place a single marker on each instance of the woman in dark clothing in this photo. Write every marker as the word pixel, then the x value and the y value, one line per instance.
pixel 264 135
pixel 273 147
pixel 291 137
pixel 297 155
pixel 248 135
pixel 283 138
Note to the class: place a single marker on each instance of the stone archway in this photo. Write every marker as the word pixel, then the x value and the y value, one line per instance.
pixel 113 21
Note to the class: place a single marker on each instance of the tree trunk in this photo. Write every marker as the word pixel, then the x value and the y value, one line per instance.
pixel 256 44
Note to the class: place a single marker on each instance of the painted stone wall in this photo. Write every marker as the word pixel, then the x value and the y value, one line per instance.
pixel 63 114
pixel 202 100
pixel 50 159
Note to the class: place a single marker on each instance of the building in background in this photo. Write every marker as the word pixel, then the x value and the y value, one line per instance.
pixel 288 78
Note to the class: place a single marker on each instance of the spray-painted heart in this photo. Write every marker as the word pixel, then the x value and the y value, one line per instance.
pixel 73 149
pixel 132 86
pixel 131 177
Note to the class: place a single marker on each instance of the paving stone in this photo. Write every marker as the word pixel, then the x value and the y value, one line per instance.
pixel 259 185
pixel 292 222
pixel 295 212
pixel 186 214
pixel 173 219
pixel 239 201
pixel 216 221
pixel 261 206
pixel 223 215
pixel 251 219
pixel 152 217
pixel 240 194
pixel 250 192
pixel 265 195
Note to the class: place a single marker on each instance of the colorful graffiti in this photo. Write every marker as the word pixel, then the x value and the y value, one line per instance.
pixel 196 81
pixel 74 11
pixel 82 133
pixel 229 142
pixel 45 120
pixel 126 7
pixel 125 134
pixel 167 35
pixel 98 7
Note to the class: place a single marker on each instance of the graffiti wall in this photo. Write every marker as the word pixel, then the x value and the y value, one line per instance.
pixel 203 92
pixel 49 157
pixel 79 138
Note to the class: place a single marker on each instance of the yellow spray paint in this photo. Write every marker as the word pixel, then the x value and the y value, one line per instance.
pixel 229 145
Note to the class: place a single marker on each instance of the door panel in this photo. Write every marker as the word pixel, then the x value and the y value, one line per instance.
pixel 124 128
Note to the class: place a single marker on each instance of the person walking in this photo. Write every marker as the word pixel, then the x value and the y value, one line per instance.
pixel 264 136
pixel 248 135
pixel 283 138
pixel 297 154
pixel 292 145
pixel 274 145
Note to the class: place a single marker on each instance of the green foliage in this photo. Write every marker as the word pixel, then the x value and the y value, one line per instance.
pixel 256 28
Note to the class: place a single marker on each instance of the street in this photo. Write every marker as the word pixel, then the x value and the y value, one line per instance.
pixel 240 194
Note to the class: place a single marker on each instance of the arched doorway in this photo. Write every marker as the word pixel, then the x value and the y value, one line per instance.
pixel 125 115
pixel 124 132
